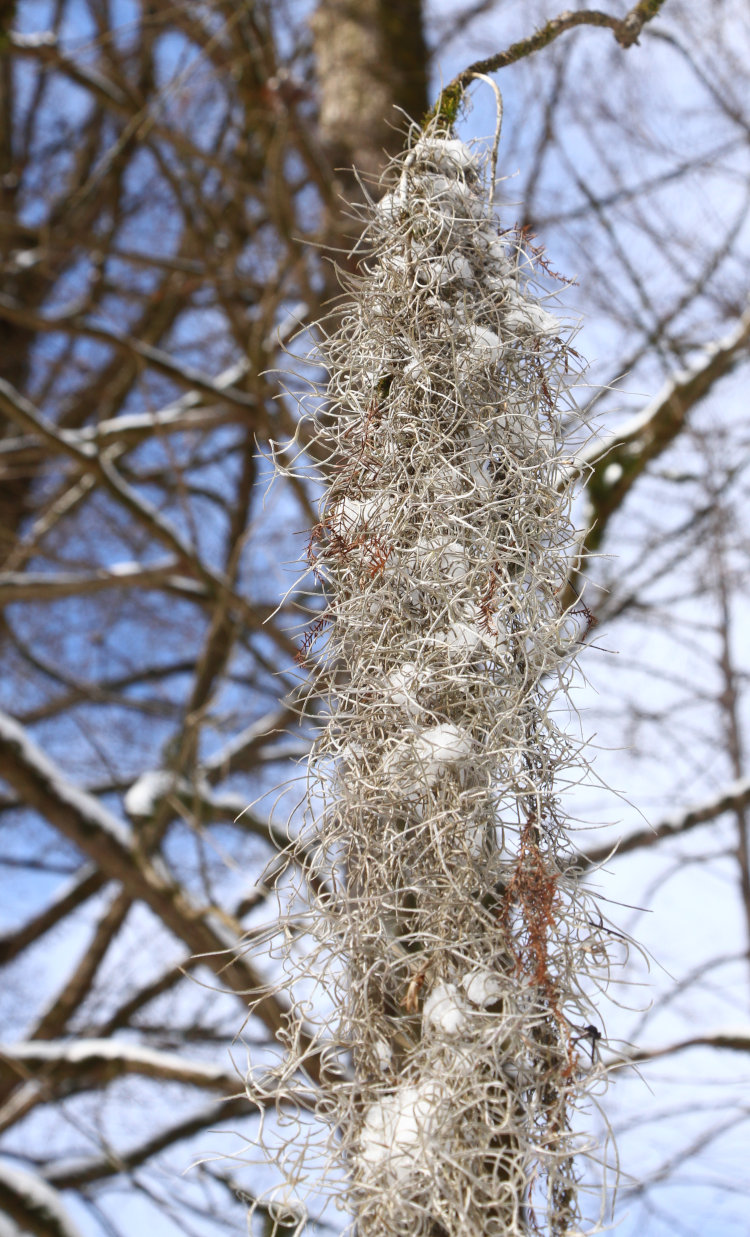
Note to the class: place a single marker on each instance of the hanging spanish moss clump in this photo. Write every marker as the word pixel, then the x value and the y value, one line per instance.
pixel 450 1029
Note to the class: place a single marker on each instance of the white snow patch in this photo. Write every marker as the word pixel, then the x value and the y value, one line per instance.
pixel 528 317
pixel 461 637
pixel 392 204
pixel 445 1010
pixel 399 1129
pixel 483 347
pixel 482 987
pixel 350 512
pixel 144 795
pixel 416 370
pixel 497 252
pixel 455 267
pixel 419 762
pixel 384 1053
pixel 612 474
pixel 477 459
pixel 465 635
pixel 451 197
pixel 403 683
pixel 450 555
pixel 443 746
pixel 447 153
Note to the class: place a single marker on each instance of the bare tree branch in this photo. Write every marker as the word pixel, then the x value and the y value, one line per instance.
pixel 51 586
pixel 183 375
pixel 617 460
pixel 730 1040
pixel 88 882
pixel 74 1174
pixel 21 410
pixel 79 982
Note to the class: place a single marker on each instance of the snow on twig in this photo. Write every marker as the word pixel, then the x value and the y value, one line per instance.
pixel 33 1204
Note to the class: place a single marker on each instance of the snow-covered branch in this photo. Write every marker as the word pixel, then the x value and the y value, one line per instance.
pixel 100 835
pixel 127 430
pixel 80 1064
pixel 733 798
pixel 612 464
pixel 51 586
pixel 33 1204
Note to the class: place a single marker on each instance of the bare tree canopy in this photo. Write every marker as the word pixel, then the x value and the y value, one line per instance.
pixel 173 189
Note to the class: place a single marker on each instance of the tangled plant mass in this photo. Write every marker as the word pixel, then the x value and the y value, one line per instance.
pixel 455 954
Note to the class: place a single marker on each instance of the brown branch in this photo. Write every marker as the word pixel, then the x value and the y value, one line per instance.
pixel 730 1040
pixel 79 983
pixel 123 1015
pixel 24 413
pixel 241 752
pixel 74 1174
pixel 183 375
pixel 18 586
pixel 104 691
pixel 650 432
pixel 125 1012
pixel 88 882
pixel 219 642
pixel 45 49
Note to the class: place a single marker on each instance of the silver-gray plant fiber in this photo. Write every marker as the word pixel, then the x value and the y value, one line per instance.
pixel 444 1011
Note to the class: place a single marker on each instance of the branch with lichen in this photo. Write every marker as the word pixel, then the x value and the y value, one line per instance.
pixel 626 31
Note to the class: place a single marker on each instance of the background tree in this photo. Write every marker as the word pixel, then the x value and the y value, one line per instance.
pixel 163 170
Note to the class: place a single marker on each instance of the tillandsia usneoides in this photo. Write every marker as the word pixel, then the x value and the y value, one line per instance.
pixel 446 1016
